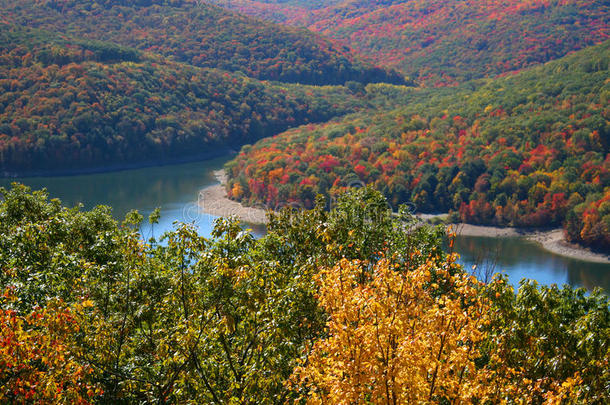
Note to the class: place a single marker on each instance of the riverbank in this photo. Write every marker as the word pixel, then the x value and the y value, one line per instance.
pixel 214 201
pixel 555 242
pixel 552 240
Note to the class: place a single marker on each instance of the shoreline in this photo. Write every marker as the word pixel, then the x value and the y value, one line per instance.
pixel 550 240
pixel 213 200
pixel 117 167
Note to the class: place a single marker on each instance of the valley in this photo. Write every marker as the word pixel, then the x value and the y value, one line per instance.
pixel 177 190
pixel 289 201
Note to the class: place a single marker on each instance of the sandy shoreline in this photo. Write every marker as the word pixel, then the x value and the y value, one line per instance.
pixel 214 201
pixel 554 241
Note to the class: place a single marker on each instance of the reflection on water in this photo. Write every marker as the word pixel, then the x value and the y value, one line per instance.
pixel 175 189
pixel 520 258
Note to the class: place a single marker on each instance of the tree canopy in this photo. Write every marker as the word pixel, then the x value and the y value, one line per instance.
pixel 203 35
pixel 528 150
pixel 352 303
pixel 445 42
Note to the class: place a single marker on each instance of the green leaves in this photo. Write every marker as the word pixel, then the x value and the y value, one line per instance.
pixel 154 216
pixel 549 334
pixel 227 319
pixel 133 218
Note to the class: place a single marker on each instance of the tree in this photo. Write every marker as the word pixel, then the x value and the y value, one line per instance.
pixel 93 312
pixel 396 336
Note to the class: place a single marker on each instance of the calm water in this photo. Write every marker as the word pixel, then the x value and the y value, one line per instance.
pixel 172 188
pixel 175 189
pixel 520 258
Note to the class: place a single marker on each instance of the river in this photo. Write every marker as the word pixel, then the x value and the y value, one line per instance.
pixel 175 189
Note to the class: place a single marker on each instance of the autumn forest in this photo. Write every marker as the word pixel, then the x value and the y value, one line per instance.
pixel 347 120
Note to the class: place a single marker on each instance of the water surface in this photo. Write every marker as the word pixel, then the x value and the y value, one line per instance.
pixel 175 189
pixel 520 258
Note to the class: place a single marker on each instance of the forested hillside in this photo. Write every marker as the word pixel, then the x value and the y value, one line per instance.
pixel 73 104
pixel 441 42
pixel 316 310
pixel 526 150
pixel 202 35
pixel 350 300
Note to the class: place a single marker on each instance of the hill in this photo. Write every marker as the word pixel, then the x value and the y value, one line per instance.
pixel 202 35
pixel 441 42
pixel 526 150
pixel 75 104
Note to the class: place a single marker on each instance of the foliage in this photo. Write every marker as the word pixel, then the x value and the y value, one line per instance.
pixel 546 343
pixel 38 358
pixel 394 339
pixel 200 34
pixel 442 42
pixel 91 312
pixel 590 221
pixel 434 335
pixel 190 319
pixel 527 150
pixel 69 104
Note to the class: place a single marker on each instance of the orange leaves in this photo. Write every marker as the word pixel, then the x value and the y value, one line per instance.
pixel 38 356
pixel 594 222
pixel 275 174
pixel 237 191
pixel 393 338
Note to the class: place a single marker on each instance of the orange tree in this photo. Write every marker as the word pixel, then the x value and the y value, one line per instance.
pixel 39 359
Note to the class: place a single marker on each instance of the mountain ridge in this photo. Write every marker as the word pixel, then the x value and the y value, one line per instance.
pixel 202 35
pixel 76 104
pixel 443 42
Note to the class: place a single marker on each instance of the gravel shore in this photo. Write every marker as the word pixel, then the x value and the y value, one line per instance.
pixel 552 240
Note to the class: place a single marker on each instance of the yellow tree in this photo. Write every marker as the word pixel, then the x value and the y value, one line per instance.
pixel 397 336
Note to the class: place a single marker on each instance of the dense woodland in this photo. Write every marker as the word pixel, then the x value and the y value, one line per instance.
pixel 529 150
pixel 343 306
pixel 202 35
pixel 442 42
pixel 350 302
pixel 70 104
pixel 97 84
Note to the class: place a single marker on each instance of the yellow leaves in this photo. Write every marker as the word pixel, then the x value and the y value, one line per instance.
pixel 275 174
pixel 389 339
pixel 229 323
pixel 237 191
